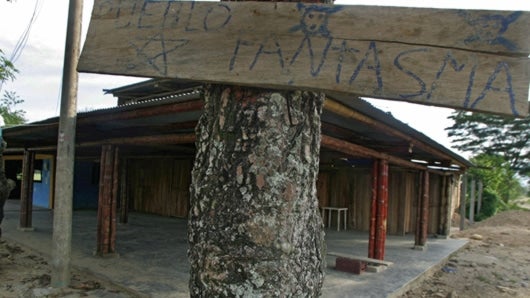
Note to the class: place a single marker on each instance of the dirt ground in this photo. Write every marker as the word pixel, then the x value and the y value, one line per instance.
pixel 496 263
pixel 24 273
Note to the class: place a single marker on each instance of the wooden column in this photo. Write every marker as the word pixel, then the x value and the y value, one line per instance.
pixel 26 193
pixel 422 220
pixel 124 199
pixel 417 232
pixel 425 208
pixel 378 210
pixel 114 201
pixel 382 210
pixel 108 190
pixel 373 209
pixel 444 207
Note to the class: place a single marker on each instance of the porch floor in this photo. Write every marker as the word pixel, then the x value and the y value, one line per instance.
pixel 153 259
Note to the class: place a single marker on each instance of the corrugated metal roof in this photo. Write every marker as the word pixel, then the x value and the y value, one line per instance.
pixel 162 121
pixel 368 109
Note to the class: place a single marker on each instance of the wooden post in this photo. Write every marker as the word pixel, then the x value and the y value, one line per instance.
pixel 422 220
pixel 114 199
pixel 100 247
pixel 463 192
pixel 425 208
pixel 479 195
pixel 108 184
pixel 124 200
pixel 373 209
pixel 472 202
pixel 382 210
pixel 443 208
pixel 418 210
pixel 26 193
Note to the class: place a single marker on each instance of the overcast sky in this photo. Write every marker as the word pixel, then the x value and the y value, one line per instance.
pixel 40 61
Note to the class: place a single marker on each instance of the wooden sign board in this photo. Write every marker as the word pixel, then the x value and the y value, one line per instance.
pixel 465 59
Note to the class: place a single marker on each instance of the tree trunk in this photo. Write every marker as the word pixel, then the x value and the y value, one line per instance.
pixel 254 225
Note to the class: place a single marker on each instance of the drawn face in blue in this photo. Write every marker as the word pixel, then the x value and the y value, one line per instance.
pixel 488 28
pixel 314 22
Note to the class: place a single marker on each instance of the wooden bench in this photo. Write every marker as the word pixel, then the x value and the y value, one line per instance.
pixel 362 259
pixel 355 264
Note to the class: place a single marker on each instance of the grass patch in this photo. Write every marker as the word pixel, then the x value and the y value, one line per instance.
pixel 483 279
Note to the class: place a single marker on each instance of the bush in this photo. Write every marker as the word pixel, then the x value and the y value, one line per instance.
pixel 490 203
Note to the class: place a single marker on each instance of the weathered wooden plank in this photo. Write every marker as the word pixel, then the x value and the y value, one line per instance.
pixel 428 56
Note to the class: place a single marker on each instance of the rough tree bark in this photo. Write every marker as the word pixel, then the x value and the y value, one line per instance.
pixel 254 227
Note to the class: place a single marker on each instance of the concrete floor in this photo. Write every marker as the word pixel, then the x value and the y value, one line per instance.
pixel 152 259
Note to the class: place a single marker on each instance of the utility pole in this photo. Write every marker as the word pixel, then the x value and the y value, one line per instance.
pixel 62 215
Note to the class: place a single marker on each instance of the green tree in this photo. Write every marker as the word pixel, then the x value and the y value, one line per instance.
pixel 7 69
pixel 497 176
pixel 8 110
pixel 10 99
pixel 7 72
pixel 508 137
pixel 500 144
pixel 490 202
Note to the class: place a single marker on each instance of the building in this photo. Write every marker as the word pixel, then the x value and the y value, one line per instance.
pixel 138 156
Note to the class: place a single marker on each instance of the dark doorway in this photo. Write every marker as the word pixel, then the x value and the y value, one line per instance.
pixel 14 168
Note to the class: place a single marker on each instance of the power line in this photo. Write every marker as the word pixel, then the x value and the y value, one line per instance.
pixel 23 39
